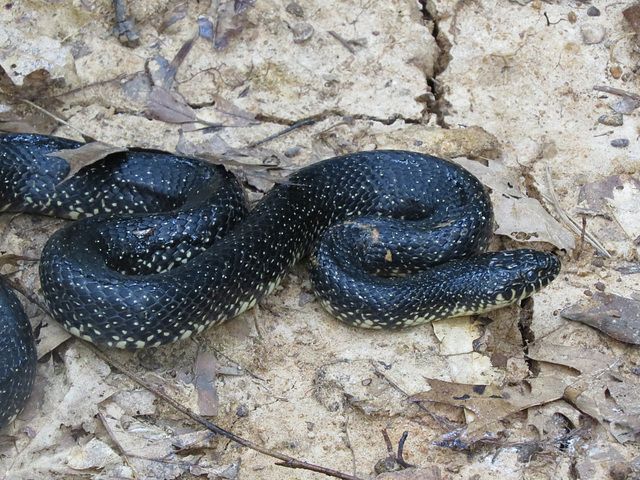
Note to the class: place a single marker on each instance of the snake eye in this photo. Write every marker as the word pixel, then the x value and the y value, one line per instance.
pixel 531 276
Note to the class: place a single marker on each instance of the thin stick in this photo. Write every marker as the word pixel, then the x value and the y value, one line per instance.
pixel 617 91
pixel 569 222
pixel 344 43
pixel 301 123
pixel 286 461
pixel 57 119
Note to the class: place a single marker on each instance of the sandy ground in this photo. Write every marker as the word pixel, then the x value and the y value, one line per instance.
pixel 509 85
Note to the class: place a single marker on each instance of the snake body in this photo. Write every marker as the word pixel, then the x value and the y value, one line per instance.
pixel 397 239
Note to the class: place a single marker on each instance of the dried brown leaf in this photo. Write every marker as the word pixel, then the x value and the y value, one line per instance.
pixel 617 316
pixel 584 360
pixel 87 154
pixel 170 107
pixel 632 15
pixel 231 115
pixel 612 399
pixel 601 391
pixel 490 404
pixel 205 383
pixel 517 216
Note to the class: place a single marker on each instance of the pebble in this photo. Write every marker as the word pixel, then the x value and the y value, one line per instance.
pixel 301 32
pixel 593 12
pixel 613 120
pixel 592 34
pixel 294 8
pixel 626 106
pixel 620 143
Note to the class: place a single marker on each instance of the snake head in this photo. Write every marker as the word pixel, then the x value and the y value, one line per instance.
pixel 519 274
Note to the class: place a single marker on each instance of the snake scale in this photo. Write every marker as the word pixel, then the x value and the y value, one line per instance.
pixel 165 246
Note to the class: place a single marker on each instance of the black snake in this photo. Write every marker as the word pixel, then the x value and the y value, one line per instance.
pixel 396 239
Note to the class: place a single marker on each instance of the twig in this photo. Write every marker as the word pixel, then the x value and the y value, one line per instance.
pixel 569 222
pixel 105 424
pixel 617 91
pixel 302 123
pixel 286 461
pixel 342 41
pixel 57 119
pixel 396 458
pixel 400 458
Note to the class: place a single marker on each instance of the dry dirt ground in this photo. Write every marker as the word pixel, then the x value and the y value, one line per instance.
pixel 534 391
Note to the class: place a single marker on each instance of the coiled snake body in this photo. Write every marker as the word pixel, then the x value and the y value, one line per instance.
pixel 402 235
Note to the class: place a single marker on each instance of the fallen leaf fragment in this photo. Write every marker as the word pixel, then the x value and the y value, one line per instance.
pixel 517 216
pixel 205 383
pixel 87 154
pixel 94 455
pixel 602 391
pixel 632 15
pixel 229 21
pixel 617 316
pixel 489 404
pixel 22 55
pixel 611 398
pixel 170 107
pixel 525 219
pixel 584 360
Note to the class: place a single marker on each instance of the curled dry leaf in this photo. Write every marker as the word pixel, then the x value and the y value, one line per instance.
pixel 617 316
pixel 87 154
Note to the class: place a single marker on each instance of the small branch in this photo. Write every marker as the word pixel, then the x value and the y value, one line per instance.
pixel 344 43
pixel 617 91
pixel 302 123
pixel 286 461
pixel 57 119
pixel 393 457
pixel 399 457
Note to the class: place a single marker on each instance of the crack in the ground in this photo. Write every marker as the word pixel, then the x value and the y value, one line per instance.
pixel 435 100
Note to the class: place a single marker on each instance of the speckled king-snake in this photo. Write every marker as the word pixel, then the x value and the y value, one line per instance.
pixel 396 239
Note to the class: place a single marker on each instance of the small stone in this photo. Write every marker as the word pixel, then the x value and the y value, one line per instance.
pixel 242 411
pixel 593 12
pixel 616 71
pixel 626 106
pixel 573 18
pixel 612 120
pixel 620 143
pixel 292 152
pixel 301 32
pixel 592 34
pixel 600 286
pixel 294 8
